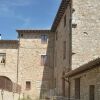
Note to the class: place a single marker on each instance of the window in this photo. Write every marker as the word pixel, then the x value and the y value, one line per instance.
pixel 74 25
pixel 73 10
pixel 91 92
pixel 44 60
pixel 2 58
pixel 63 84
pixel 64 50
pixel 64 20
pixel 55 82
pixel 77 88
pixel 44 38
pixel 21 35
pixel 56 35
pixel 28 85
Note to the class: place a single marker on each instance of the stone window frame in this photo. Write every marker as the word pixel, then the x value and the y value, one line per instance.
pixel 65 21
pixel 28 85
pixel 44 60
pixel 56 35
pixel 44 38
pixel 64 49
pixel 3 59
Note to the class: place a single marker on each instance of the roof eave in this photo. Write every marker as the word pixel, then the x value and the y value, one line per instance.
pixel 60 13
pixel 92 64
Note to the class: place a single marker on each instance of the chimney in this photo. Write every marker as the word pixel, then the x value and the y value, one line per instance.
pixel 0 36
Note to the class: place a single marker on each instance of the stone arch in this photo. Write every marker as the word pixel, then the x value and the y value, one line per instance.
pixel 6 83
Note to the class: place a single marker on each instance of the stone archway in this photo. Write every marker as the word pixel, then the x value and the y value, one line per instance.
pixel 6 83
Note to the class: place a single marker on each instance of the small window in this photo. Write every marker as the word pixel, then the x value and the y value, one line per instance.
pixel 64 20
pixel 28 85
pixel 73 10
pixel 43 60
pixel 64 50
pixel 21 35
pixel 74 25
pixel 2 58
pixel 55 82
pixel 44 38
pixel 56 35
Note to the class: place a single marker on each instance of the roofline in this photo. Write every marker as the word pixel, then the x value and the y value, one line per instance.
pixel 92 64
pixel 9 41
pixel 33 31
pixel 60 13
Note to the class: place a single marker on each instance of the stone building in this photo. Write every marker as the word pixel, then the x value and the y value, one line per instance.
pixel 36 62
pixel 9 65
pixel 85 31
pixel 84 82
pixel 52 62
pixel 62 50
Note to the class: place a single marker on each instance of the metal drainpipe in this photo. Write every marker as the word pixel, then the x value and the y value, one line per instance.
pixel 70 54
pixel 18 61
pixel 68 87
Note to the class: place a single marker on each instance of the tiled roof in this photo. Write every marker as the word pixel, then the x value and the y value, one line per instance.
pixel 33 31
pixel 60 13
pixel 9 41
pixel 88 66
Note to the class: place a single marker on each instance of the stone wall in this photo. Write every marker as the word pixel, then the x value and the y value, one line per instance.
pixel 30 69
pixel 9 68
pixel 5 95
pixel 63 34
pixel 86 35
pixel 91 77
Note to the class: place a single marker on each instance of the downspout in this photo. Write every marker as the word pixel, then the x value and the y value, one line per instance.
pixel 70 40
pixel 67 80
pixel 18 61
pixel 70 49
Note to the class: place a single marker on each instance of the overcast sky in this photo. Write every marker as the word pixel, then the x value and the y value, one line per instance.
pixel 26 14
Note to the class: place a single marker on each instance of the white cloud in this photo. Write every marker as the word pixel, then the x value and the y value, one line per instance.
pixel 6 9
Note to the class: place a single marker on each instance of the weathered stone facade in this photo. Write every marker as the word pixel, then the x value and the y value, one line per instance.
pixel 67 48
pixel 9 67
pixel 86 35
pixel 63 34
pixel 87 78
pixel 30 68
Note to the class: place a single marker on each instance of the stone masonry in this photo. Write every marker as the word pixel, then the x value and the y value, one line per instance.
pixel 9 68
pixel 30 68
pixel 86 35
pixel 73 40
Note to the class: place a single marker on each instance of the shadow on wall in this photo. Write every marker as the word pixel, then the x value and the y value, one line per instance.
pixel 47 62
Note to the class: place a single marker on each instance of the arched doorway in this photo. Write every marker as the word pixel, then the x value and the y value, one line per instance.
pixel 6 83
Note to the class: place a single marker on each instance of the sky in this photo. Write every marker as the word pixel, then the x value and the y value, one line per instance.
pixel 26 14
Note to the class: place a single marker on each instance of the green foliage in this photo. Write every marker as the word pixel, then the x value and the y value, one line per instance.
pixel 28 98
